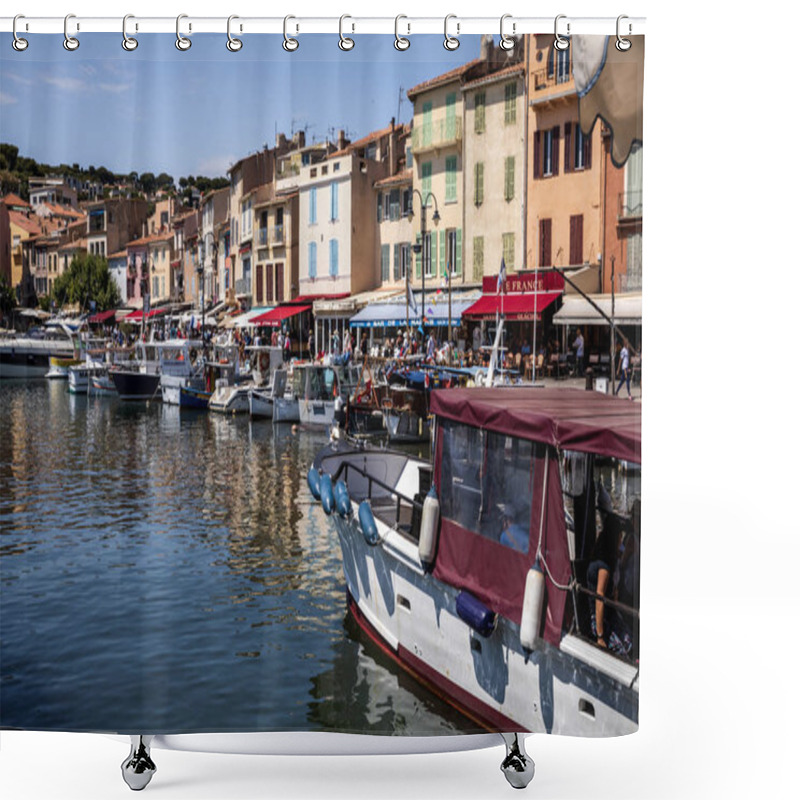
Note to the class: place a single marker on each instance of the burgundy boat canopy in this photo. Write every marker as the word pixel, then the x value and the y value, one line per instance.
pixel 569 419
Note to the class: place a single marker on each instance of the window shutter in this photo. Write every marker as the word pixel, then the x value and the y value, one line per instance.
pixel 334 201
pixel 587 151
pixel 509 176
pixel 259 284
pixel 419 257
pixel 397 262
pixel 556 132
pixel 567 147
pixel 442 251
pixel 380 208
pixel 458 252
pixel 537 141
pixel 479 183
pixel 334 265
pixel 433 252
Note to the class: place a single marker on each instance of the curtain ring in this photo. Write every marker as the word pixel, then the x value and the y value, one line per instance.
pixel 233 44
pixel 507 42
pixel 289 44
pixel 623 44
pixel 561 43
pixel 450 42
pixel 400 42
pixel 181 42
pixel 70 42
pixel 19 44
pixel 345 43
pixel 128 42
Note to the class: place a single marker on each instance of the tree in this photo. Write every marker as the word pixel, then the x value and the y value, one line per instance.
pixel 7 299
pixel 88 278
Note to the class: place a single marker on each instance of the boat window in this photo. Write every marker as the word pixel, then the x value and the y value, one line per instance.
pixel 487 483
pixel 602 504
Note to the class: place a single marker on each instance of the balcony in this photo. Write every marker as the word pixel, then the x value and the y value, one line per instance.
pixel 263 238
pixel 630 281
pixel 438 134
pixel 630 205
pixel 277 234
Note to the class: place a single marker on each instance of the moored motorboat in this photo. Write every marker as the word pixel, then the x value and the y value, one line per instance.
pixel 322 385
pixel 482 586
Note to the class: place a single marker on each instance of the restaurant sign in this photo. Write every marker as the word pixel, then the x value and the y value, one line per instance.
pixel 541 281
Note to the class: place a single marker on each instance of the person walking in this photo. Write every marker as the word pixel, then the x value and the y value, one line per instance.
pixel 624 370
pixel 578 347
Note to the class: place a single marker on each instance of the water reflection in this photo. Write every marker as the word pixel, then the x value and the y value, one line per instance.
pixel 167 570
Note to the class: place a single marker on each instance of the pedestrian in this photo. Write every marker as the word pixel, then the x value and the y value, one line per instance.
pixel 578 347
pixel 311 344
pixel 623 369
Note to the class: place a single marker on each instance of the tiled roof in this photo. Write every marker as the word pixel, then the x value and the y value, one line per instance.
pixel 498 75
pixel 25 222
pixel 440 80
pixel 64 211
pixel 370 137
pixel 78 244
pixel 153 237
pixel 395 180
pixel 119 254
pixel 12 199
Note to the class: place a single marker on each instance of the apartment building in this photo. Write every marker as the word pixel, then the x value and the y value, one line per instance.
pixel 112 223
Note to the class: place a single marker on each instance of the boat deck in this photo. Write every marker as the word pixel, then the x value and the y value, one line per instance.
pixel 386 511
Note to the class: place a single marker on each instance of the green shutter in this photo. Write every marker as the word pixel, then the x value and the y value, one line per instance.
pixel 458 252
pixel 511 104
pixel 442 251
pixel 427 171
pixel 419 257
pixel 480 112
pixel 479 183
pixel 509 178
pixel 450 116
pixel 450 166
pixel 397 262
pixel 433 253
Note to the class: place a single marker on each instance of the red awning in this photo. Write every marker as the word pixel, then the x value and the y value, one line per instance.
pixel 102 316
pixel 516 306
pixel 277 315
pixel 137 315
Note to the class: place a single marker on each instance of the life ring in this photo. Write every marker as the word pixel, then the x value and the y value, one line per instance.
pixel 263 362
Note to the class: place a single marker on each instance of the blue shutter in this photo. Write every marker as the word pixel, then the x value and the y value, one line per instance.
pixel 334 201
pixel 334 266
pixel 312 205
pixel 312 259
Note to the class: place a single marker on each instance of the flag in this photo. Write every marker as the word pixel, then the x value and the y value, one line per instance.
pixel 412 303
pixel 501 278
pixel 447 273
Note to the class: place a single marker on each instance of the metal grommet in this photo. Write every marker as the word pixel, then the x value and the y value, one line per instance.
pixel 623 44
pixel 400 42
pixel 345 43
pixel 289 44
pixel 70 42
pixel 128 42
pixel 233 44
pixel 19 44
pixel 181 42
pixel 450 42
pixel 507 42
pixel 561 43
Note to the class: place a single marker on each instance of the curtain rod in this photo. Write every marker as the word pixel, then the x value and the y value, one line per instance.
pixel 404 25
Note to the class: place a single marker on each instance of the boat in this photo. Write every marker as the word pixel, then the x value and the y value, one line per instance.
pixel 141 380
pixel 286 408
pixel 59 367
pixel 231 387
pixel 101 384
pixel 322 385
pixel 180 363
pixel 262 399
pixel 28 355
pixel 80 375
pixel 471 570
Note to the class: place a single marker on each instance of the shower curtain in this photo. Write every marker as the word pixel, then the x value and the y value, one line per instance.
pixel 167 570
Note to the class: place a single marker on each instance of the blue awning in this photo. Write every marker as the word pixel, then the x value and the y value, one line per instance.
pixel 393 315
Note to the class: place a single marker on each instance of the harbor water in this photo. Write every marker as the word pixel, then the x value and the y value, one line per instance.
pixel 167 571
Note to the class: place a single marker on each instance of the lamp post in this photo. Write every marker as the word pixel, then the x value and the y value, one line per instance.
pixel 424 205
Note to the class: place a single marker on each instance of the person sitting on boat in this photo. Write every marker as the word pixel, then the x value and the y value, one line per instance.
pixel 515 534
pixel 609 571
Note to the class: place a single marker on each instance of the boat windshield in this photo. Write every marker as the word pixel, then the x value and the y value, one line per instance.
pixel 487 483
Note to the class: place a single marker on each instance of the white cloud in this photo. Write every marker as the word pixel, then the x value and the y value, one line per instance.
pixel 7 99
pixel 67 84
pixel 114 88
pixel 18 78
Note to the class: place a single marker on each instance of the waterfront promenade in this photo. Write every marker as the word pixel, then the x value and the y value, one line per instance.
pixel 580 383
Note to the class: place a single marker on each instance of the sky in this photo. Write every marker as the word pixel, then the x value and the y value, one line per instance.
pixel 197 112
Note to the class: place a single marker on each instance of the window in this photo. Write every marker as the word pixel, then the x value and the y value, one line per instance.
pixel 508 250
pixel 427 123
pixel 562 66
pixel 312 260
pixel 279 281
pixel 509 178
pixel 312 206
pixel 270 284
pixel 405 259
pixel 396 262
pixel 545 153
pixel 633 277
pixel 334 201
pixel 450 116
pixel 545 243
pixel 576 239
pixel 247 219
pixel 452 253
pixel 406 202
pixel 427 171
pixel 477 257
pixel 380 207
pixel 577 148
pixel 480 112
pixel 259 283
pixel 547 165
pixel 450 192
pixel 487 483
pixel 429 254
pixel 385 254
pixel 394 204
pixel 479 183
pixel 334 257
pixel 511 103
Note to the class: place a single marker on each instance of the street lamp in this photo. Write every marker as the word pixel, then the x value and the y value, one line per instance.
pixel 417 248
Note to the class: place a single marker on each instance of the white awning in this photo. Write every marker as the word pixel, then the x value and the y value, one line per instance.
pixel 578 310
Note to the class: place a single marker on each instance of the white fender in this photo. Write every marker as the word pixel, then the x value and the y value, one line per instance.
pixel 429 528
pixel 532 607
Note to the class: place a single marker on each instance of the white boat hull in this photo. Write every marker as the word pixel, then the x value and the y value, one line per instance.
pixel 261 404
pixel 285 409
pixel 413 617
pixel 230 400
pixel 316 412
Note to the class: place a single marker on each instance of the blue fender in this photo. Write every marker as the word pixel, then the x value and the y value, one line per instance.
pixel 342 499
pixel 326 493
pixel 313 479
pixel 367 522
